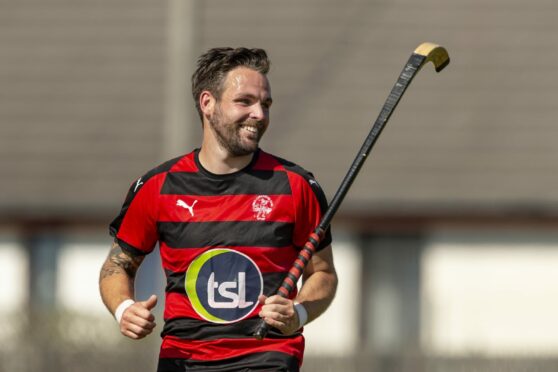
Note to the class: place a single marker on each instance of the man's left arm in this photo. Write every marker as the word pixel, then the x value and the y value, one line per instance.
pixel 316 294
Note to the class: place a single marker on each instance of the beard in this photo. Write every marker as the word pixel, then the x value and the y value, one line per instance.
pixel 229 136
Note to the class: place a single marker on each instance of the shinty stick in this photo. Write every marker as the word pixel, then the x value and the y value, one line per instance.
pixel 424 53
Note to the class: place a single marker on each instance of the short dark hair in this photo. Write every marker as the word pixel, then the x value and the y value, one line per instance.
pixel 213 66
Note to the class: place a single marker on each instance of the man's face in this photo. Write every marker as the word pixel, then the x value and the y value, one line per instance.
pixel 241 116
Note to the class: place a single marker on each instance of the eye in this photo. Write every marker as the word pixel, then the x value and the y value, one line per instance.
pixel 243 101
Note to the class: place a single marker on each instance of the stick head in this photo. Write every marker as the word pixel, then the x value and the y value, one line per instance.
pixel 436 54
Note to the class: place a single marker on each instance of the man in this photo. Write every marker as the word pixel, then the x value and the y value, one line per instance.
pixel 230 220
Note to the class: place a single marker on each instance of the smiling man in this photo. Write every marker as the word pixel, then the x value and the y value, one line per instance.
pixel 230 220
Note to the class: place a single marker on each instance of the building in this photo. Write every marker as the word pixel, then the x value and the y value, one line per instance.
pixel 448 235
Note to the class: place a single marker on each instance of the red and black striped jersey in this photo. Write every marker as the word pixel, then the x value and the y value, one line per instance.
pixel 223 240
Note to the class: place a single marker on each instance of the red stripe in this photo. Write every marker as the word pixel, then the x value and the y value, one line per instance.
pixel 137 227
pixel 212 208
pixel 300 263
pixel 295 271
pixel 173 347
pixel 317 237
pixel 309 214
pixel 289 281
pixel 267 259
pixel 186 164
pixel 305 254
pixel 267 162
pixel 177 305
pixel 310 246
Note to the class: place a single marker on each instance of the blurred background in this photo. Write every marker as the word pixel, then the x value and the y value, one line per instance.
pixel 446 246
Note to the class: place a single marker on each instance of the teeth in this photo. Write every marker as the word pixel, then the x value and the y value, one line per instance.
pixel 251 129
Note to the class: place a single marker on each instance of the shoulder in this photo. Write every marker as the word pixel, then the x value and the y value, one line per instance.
pixel 273 161
pixel 180 163
pixel 297 174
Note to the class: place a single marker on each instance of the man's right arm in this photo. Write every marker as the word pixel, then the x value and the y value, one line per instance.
pixel 116 284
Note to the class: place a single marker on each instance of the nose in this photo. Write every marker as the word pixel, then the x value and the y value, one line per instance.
pixel 258 112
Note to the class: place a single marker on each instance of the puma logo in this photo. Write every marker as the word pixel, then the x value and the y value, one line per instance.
pixel 138 184
pixel 183 204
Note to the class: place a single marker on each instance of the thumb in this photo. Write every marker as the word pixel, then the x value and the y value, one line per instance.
pixel 150 303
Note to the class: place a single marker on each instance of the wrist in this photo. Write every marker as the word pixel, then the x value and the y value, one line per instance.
pixel 121 308
pixel 302 314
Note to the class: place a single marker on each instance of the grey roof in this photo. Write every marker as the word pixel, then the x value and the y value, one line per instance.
pixel 81 92
pixel 82 99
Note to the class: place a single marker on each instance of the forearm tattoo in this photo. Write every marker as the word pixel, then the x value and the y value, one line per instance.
pixel 120 262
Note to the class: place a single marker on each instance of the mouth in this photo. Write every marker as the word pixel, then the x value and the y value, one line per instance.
pixel 250 130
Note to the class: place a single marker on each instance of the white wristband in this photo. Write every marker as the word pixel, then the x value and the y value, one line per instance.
pixel 121 308
pixel 302 314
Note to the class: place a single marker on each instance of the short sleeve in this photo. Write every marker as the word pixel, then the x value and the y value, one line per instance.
pixel 135 227
pixel 310 204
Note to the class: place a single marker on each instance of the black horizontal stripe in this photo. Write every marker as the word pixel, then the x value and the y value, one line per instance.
pixel 265 361
pixel 257 182
pixel 194 329
pixel 176 282
pixel 225 234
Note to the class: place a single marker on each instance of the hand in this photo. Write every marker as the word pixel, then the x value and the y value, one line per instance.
pixel 137 320
pixel 279 312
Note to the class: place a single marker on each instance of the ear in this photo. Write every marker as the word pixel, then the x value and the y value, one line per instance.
pixel 207 103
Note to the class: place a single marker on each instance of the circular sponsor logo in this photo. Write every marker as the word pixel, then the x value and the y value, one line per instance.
pixel 223 285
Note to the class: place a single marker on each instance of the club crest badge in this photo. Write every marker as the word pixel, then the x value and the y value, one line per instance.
pixel 262 207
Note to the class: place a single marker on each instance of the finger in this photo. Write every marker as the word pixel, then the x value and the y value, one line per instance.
pixel 277 316
pixel 134 336
pixel 129 334
pixel 285 325
pixel 276 299
pixel 280 316
pixel 279 311
pixel 261 299
pixel 140 311
pixel 276 313
pixel 130 331
pixel 136 329
pixel 281 326
pixel 142 317
pixel 130 318
pixel 286 309
pixel 150 303
pixel 142 323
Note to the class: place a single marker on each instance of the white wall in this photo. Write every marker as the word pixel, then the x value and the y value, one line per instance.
pixel 77 286
pixel 490 293
pixel 336 331
pixel 14 289
pixel 14 278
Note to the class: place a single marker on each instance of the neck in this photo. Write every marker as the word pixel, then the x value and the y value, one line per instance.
pixel 217 160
